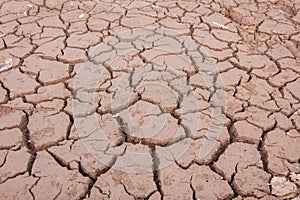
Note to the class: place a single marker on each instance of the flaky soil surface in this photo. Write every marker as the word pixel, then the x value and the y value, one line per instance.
pixel 145 143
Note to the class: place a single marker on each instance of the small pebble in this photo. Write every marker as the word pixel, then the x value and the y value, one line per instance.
pixel 81 16
pixel 259 162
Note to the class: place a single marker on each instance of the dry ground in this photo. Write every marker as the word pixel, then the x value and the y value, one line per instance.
pixel 150 99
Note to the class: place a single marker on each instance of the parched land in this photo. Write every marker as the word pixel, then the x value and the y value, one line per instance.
pixel 150 99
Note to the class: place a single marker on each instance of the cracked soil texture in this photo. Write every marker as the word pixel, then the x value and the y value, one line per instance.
pixel 150 99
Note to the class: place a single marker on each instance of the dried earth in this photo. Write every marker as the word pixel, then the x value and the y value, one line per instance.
pixel 150 99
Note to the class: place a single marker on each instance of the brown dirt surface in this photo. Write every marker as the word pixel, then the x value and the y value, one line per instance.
pixel 150 99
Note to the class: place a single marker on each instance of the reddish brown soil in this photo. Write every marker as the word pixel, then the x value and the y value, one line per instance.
pixel 203 102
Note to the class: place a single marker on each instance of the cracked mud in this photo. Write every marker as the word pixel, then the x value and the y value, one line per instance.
pixel 150 99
